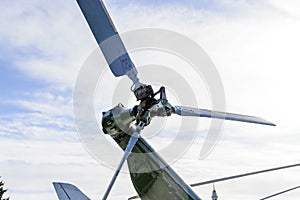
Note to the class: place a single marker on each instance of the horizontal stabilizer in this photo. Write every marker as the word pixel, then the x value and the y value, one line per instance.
pixel 196 112
pixel 66 191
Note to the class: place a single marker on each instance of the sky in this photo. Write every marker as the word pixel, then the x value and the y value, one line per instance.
pixel 253 44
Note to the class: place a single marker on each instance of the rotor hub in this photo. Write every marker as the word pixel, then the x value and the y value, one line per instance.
pixel 143 92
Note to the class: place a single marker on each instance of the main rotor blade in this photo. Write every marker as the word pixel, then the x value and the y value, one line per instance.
pixel 107 37
pixel 285 191
pixel 132 141
pixel 196 112
pixel 243 175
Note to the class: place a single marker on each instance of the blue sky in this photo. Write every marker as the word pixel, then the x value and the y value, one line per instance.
pixel 254 45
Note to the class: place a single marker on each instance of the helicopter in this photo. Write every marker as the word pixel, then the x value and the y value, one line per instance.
pixel 151 176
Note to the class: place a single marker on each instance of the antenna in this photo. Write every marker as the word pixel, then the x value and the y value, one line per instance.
pixel 214 195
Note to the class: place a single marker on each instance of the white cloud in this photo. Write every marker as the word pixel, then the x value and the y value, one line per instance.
pixel 291 7
pixel 254 50
pixel 45 39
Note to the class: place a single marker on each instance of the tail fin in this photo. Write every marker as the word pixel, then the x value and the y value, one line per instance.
pixel 66 191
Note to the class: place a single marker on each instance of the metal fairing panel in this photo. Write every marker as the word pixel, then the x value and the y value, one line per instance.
pixel 66 191
pixel 154 182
